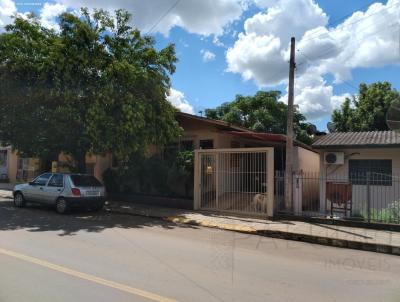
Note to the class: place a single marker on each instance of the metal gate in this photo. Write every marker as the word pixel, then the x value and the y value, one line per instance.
pixel 235 180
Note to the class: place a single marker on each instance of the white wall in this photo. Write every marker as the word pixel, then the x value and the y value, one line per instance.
pixel 380 196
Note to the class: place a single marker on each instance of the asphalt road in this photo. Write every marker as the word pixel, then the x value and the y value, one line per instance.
pixel 104 257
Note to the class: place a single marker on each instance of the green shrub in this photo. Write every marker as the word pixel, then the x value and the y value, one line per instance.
pixel 171 175
pixel 390 214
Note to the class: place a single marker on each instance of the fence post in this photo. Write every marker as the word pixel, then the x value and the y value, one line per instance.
pixel 217 179
pixel 197 177
pixel 271 207
pixel 368 197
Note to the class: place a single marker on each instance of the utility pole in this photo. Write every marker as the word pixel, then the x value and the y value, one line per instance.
pixel 289 132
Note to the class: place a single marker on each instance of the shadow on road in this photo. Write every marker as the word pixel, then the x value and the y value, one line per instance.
pixel 37 218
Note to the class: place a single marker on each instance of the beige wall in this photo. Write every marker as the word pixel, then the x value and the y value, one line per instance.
pixel 306 185
pixel 197 130
pixel 306 160
pixel 100 162
pixel 12 165
pixel 380 196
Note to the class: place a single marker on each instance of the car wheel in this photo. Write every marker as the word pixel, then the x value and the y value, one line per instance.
pixel 19 200
pixel 62 206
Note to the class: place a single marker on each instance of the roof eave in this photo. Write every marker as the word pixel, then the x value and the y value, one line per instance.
pixel 374 146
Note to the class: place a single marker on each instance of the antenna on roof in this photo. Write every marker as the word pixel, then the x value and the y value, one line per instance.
pixel 331 127
pixel 393 116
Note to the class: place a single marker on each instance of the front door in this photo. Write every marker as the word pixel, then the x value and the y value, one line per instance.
pixel 208 190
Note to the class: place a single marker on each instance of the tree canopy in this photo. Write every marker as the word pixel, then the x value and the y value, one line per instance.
pixel 367 110
pixel 262 112
pixel 96 85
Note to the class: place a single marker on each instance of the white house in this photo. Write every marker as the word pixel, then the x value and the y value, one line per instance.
pixel 360 167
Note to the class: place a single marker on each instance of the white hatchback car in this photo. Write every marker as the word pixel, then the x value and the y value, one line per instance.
pixel 64 191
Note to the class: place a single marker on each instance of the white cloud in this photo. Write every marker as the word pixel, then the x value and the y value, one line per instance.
pixel 216 41
pixel 205 17
pixel 337 100
pixel 178 100
pixel 258 58
pixel 207 55
pixel 260 51
pixel 7 9
pixel 49 14
pixel 365 39
pixel 314 96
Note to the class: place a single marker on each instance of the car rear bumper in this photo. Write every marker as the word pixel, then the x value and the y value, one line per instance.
pixel 85 202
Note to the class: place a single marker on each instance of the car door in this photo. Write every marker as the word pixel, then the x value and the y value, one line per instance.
pixel 36 188
pixel 53 188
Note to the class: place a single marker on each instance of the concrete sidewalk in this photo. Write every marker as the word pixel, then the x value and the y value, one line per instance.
pixel 380 241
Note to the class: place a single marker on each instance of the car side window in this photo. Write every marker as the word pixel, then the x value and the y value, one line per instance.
pixel 56 181
pixel 41 180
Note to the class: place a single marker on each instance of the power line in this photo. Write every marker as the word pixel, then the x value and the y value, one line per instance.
pixel 163 16
pixel 343 81
pixel 346 25
pixel 336 21
pixel 328 50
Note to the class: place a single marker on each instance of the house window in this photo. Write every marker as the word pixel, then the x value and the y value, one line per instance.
pixel 27 168
pixel 206 144
pixel 377 171
pixel 187 145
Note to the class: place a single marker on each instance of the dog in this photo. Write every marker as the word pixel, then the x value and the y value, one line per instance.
pixel 259 202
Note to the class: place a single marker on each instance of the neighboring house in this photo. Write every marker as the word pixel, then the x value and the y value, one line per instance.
pixel 363 167
pixel 15 168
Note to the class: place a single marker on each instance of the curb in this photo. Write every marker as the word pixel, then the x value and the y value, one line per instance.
pixel 335 242
pixel 327 241
pixel 341 243
pixel 210 224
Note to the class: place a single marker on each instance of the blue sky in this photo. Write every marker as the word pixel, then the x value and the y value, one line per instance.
pixel 230 47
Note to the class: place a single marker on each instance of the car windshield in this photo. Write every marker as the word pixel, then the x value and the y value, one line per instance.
pixel 85 181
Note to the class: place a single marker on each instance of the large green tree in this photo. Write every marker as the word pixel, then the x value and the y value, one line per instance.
pixel 262 112
pixel 96 85
pixel 367 110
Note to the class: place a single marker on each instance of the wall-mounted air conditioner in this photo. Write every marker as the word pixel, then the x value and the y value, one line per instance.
pixel 334 158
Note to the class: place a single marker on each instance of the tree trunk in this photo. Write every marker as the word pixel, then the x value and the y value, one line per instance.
pixel 80 160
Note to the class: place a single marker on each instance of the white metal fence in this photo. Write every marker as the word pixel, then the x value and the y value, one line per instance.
pixel 235 180
pixel 371 197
